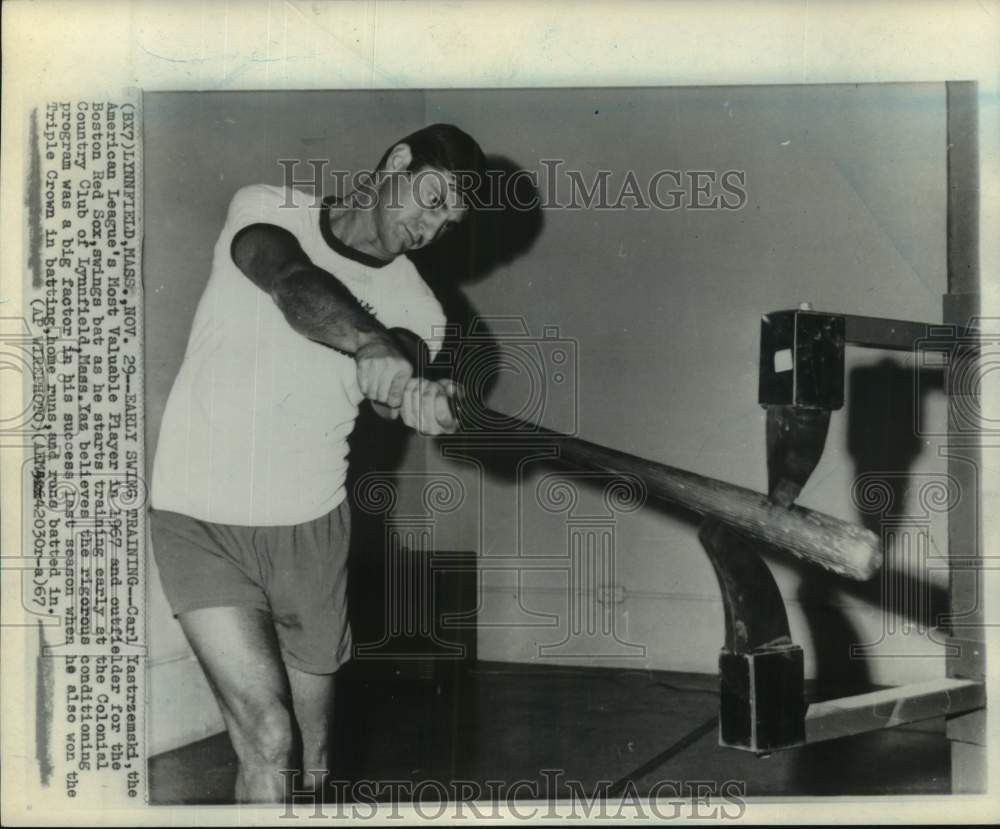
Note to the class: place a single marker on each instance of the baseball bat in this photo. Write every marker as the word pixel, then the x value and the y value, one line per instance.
pixel 844 548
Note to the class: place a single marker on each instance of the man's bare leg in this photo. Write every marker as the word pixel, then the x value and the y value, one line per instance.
pixel 312 697
pixel 238 650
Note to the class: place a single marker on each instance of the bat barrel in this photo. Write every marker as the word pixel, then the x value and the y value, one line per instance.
pixel 837 545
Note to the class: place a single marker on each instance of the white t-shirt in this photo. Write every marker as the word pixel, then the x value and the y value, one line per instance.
pixel 255 429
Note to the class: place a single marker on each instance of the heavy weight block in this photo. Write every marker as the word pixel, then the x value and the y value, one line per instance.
pixel 762 705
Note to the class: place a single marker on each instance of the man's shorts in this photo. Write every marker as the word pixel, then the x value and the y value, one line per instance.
pixel 296 573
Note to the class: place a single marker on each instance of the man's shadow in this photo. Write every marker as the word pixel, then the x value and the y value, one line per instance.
pixel 886 402
pixel 503 229
pixel 889 401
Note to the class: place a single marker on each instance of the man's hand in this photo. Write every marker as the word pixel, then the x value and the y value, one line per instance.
pixel 426 406
pixel 383 371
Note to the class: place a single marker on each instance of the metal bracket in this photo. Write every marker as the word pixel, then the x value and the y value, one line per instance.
pixel 802 360
pixel 762 704
pixel 802 352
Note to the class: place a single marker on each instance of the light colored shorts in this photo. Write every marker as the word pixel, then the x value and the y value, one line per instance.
pixel 296 573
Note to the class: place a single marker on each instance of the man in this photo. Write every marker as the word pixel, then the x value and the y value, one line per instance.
pixel 309 310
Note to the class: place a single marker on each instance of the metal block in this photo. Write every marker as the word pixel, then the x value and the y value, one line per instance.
pixel 802 360
pixel 762 707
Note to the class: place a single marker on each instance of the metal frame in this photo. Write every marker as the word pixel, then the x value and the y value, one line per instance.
pixel 801 369
pixel 967 653
pixel 801 382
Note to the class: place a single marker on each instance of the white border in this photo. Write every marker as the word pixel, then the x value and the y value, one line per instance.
pixel 80 48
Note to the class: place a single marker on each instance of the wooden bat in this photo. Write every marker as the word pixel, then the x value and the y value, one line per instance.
pixel 840 546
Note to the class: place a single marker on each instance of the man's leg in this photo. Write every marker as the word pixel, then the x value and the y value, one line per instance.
pixel 239 652
pixel 306 582
pixel 312 696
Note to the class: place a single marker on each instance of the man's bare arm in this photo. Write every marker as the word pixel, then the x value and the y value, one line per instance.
pixel 319 306
pixel 314 301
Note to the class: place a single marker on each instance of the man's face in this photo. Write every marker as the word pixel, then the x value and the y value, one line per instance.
pixel 416 208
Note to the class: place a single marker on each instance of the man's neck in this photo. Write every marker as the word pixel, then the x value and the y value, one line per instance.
pixel 355 227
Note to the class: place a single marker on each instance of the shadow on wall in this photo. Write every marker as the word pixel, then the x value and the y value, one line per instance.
pixel 883 442
pixel 480 246
pixel 888 402
pixel 483 244
pixel 486 241
pixel 490 238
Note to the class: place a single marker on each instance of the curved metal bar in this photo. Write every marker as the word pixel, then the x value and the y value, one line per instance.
pixel 762 701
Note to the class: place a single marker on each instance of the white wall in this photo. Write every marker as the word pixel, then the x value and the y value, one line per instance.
pixel 846 209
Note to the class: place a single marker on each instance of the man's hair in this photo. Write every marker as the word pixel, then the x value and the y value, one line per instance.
pixel 444 147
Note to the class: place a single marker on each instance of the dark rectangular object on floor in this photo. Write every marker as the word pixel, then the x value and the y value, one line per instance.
pixel 762 708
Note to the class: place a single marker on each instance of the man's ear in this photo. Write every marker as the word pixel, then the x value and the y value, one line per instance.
pixel 399 158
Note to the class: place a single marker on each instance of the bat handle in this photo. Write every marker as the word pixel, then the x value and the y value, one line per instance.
pixel 458 403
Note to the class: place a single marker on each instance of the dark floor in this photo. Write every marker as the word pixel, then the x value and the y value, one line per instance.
pixel 505 722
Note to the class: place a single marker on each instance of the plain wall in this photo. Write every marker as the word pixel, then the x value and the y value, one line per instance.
pixel 846 210
pixel 661 310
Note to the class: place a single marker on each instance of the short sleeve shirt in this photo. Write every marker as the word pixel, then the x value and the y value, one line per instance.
pixel 256 425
